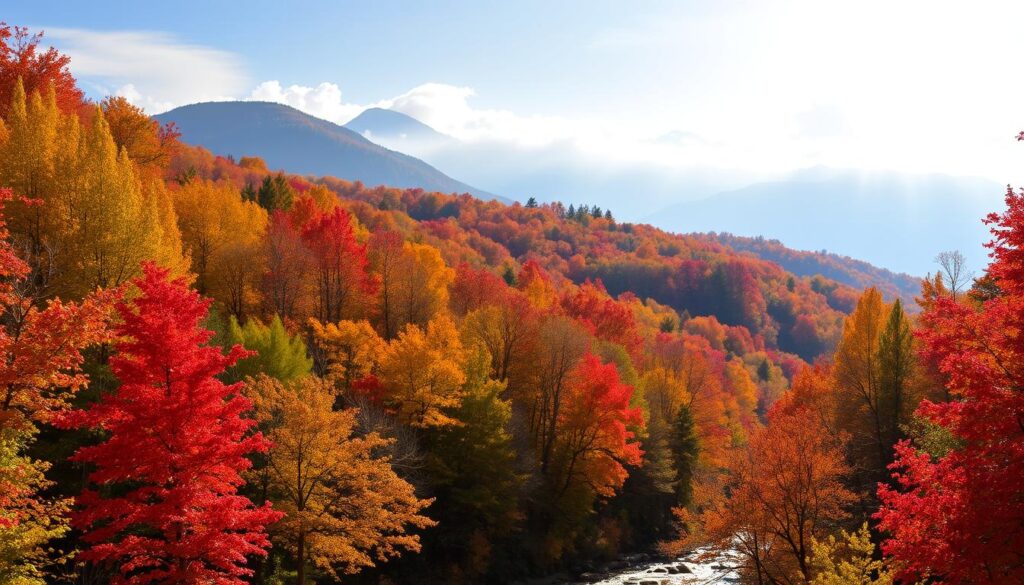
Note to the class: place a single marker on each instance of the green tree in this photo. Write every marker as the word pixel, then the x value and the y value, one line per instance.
pixel 896 370
pixel 473 462
pixel 275 193
pixel 279 355
pixel 685 447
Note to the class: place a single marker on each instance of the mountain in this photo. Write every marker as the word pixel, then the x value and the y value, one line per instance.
pixel 554 172
pixel 299 143
pixel 843 269
pixel 396 129
pixel 888 219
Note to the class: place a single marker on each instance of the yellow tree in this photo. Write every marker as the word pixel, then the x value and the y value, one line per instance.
pixel 875 380
pixel 37 137
pixel 345 507
pixel 422 373
pixel 223 235
pixel 112 227
pixel 848 560
pixel 352 349
pixel 413 281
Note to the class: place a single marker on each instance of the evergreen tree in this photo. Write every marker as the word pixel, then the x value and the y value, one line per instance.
pixel 509 276
pixel 275 193
pixel 896 364
pixel 248 192
pixel 685 448
pixel 531 203
pixel 278 354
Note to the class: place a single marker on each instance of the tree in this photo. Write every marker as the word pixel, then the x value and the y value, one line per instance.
pixel 21 61
pixel 285 281
pixel 953 267
pixel 685 446
pixel 848 560
pixel 110 227
pixel 422 374
pixel 149 145
pixel 40 373
pixel 958 517
pixel 858 385
pixel 343 286
pixel 275 194
pixel 784 490
pixel 896 361
pixel 163 503
pixel 353 350
pixel 473 464
pixel 345 508
pixel 275 352
pixel 385 253
pixel 505 328
pixel 222 233
pixel 593 437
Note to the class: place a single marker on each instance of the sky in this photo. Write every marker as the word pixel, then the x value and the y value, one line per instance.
pixel 761 87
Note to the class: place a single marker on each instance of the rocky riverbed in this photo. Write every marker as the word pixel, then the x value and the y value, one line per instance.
pixel 690 569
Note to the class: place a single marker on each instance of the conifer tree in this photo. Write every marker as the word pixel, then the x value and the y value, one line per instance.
pixel 277 354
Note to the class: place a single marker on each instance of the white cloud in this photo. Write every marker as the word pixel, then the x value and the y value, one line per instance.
pixel 155 70
pixel 323 101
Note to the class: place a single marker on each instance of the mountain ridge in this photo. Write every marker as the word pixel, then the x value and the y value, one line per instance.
pixel 290 139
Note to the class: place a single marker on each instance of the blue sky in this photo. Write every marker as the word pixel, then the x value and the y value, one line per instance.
pixel 753 86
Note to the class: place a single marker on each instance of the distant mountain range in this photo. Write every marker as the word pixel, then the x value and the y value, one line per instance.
pixel 849 271
pixel 299 143
pixel 888 219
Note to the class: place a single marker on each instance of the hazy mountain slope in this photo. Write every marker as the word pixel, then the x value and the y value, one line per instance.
pixel 394 128
pixel 849 271
pixel 896 221
pixel 299 143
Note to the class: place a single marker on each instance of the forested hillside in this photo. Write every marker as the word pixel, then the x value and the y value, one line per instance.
pixel 215 372
pixel 849 271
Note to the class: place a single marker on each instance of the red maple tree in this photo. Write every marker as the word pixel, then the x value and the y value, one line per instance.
pixel 343 285
pixel 163 503
pixel 595 428
pixel 959 517
pixel 20 58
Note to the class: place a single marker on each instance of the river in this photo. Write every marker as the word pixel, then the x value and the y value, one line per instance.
pixel 690 569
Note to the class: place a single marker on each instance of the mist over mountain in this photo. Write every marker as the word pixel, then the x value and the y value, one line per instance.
pixel 299 143
pixel 888 219
pixel 895 220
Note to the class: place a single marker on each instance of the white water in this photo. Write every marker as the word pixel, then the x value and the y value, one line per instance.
pixel 718 570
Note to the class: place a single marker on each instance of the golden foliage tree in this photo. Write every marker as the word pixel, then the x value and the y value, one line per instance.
pixel 345 507
pixel 422 373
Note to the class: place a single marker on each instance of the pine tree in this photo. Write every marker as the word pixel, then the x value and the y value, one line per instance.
pixel 162 505
pixel 896 368
pixel 685 448
pixel 531 203
pixel 248 192
pixel 277 354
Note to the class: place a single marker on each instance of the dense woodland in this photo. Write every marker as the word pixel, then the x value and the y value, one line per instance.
pixel 218 373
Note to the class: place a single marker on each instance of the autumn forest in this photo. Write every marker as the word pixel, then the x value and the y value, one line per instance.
pixel 219 372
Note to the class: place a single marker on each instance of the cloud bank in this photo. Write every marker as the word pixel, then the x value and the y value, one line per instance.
pixel 155 70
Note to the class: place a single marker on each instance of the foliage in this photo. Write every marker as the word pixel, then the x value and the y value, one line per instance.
pixel 273 351
pixel 162 502
pixel 345 508
pixel 958 518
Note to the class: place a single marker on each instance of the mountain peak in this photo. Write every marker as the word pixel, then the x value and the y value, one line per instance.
pixel 289 139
